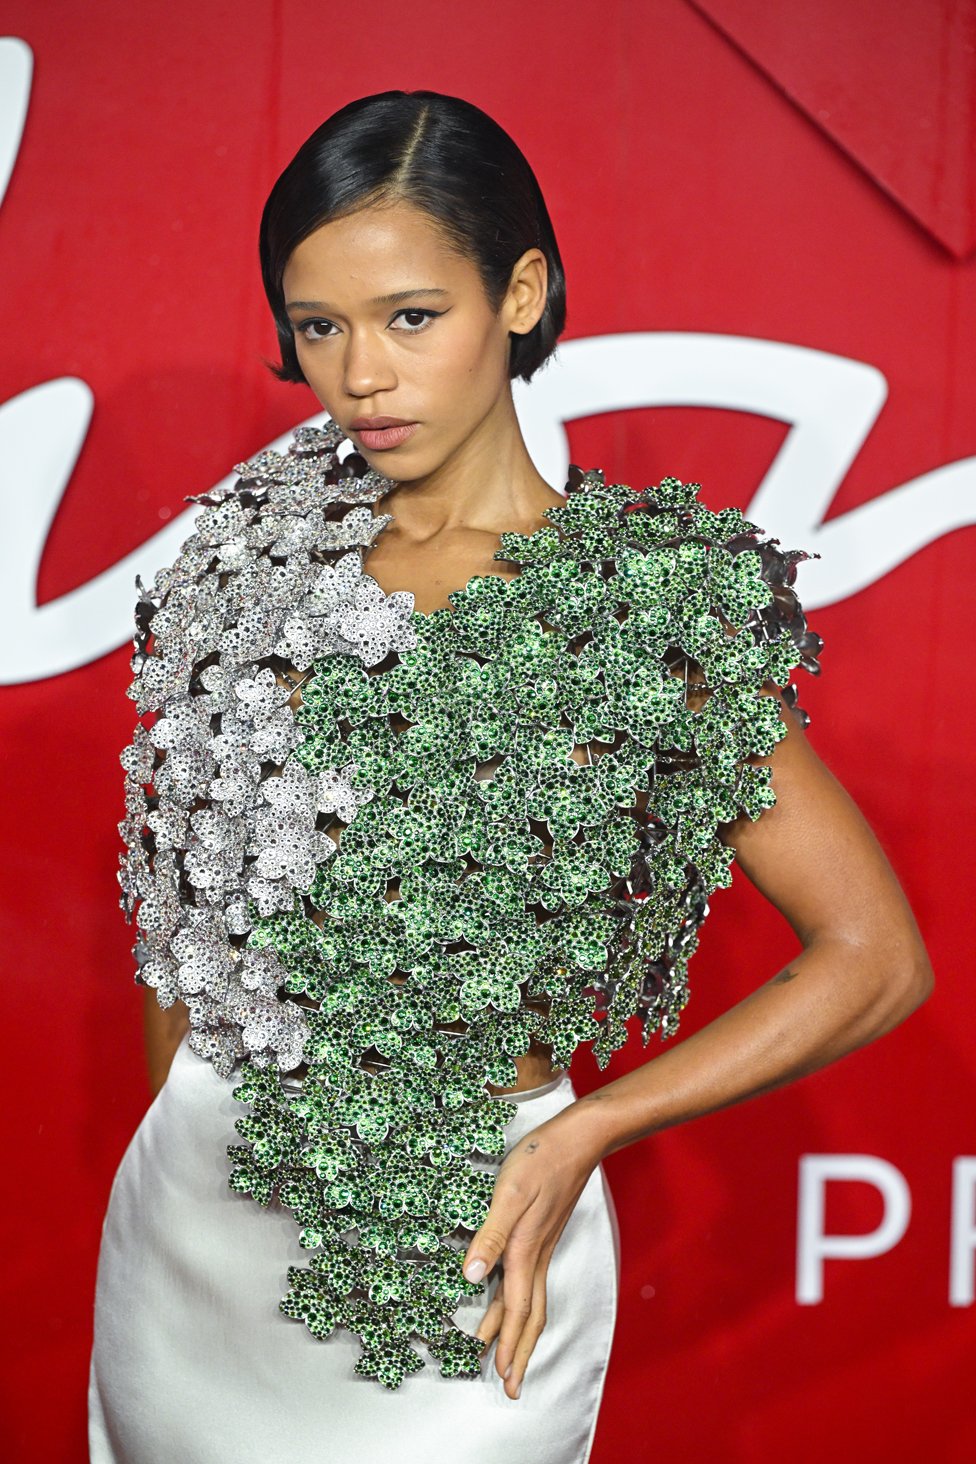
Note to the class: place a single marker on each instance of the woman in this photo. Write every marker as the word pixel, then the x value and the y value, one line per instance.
pixel 414 831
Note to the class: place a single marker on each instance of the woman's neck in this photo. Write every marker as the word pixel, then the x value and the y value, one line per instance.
pixel 489 484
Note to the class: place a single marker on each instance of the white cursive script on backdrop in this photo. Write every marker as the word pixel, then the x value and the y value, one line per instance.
pixel 830 403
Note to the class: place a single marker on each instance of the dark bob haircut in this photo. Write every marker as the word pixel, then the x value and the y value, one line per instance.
pixel 444 156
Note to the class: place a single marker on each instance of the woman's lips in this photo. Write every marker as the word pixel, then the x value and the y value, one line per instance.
pixel 378 438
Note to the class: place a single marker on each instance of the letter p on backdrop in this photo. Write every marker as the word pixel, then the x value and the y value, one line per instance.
pixel 814 1245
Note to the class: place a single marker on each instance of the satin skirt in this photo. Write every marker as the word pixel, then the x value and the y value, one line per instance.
pixel 192 1363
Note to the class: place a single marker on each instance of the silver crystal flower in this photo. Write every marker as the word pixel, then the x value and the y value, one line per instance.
pixel 286 841
pixel 358 528
pixel 376 623
pixel 338 794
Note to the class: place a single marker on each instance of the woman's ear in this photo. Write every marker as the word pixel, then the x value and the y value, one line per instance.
pixel 527 290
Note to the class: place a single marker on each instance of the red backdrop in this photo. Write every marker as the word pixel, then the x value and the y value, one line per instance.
pixel 771 211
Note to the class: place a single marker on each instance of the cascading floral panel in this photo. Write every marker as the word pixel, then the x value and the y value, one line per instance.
pixel 379 853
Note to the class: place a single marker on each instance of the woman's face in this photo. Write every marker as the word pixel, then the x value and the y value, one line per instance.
pixel 391 322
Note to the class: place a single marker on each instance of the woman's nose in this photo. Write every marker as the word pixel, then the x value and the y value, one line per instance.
pixel 366 365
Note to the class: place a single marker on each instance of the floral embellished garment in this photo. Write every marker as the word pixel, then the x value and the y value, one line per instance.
pixel 378 853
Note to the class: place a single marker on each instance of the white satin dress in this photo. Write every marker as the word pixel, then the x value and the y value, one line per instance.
pixel 192 1362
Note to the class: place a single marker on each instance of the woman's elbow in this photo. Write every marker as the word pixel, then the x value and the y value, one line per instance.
pixel 903 986
pixel 921 983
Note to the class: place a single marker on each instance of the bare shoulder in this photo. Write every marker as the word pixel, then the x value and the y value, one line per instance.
pixel 814 855
pixel 798 771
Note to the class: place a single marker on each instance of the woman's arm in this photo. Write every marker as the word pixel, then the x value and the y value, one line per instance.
pixel 163 1032
pixel 863 969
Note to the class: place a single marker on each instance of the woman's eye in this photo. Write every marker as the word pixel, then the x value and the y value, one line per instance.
pixel 307 325
pixel 416 320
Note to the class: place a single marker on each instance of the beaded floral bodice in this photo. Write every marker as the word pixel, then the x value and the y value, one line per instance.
pixel 392 849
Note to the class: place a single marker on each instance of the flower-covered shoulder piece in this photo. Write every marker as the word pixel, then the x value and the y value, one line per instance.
pixel 692 617
pixel 222 823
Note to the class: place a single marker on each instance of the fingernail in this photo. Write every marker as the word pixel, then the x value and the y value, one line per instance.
pixel 475 1270
pixel 518 1391
pixel 508 1371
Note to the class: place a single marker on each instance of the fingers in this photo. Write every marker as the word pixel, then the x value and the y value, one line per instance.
pixel 491 1321
pixel 509 1204
pixel 485 1248
pixel 523 1320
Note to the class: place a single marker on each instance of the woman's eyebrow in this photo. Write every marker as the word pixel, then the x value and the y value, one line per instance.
pixel 396 298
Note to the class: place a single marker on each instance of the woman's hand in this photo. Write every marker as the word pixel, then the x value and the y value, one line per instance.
pixel 538 1185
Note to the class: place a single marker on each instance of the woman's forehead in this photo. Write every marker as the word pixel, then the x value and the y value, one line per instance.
pixel 375 252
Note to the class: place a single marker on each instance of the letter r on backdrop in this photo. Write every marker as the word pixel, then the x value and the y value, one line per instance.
pixel 814 1246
